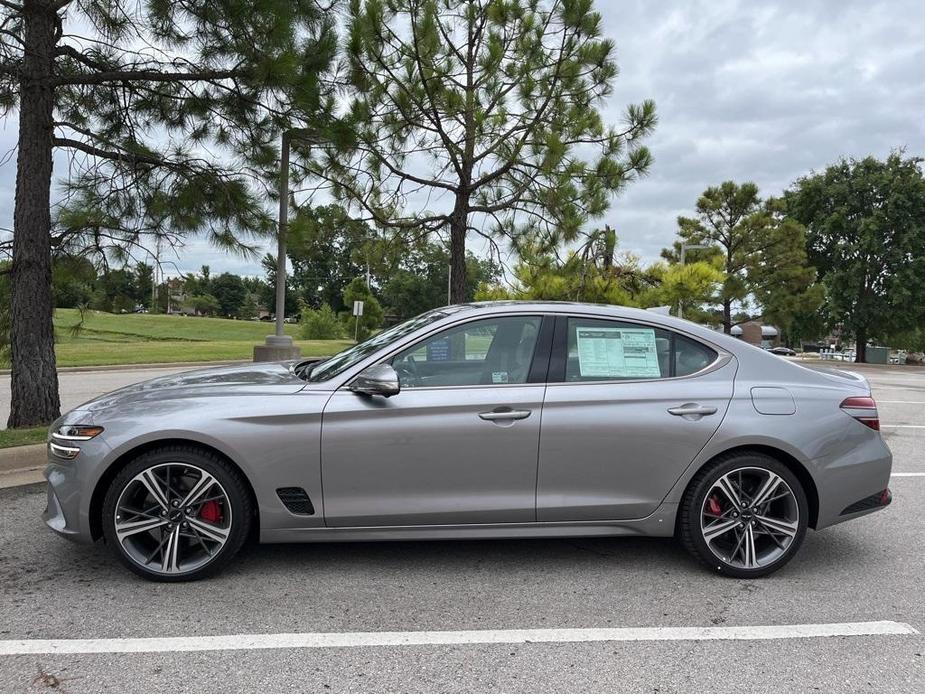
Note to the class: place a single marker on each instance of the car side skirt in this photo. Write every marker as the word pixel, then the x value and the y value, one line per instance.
pixel 659 524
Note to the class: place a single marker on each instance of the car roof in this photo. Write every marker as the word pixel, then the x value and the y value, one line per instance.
pixel 603 310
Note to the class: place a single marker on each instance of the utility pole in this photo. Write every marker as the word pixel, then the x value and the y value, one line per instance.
pixel 279 346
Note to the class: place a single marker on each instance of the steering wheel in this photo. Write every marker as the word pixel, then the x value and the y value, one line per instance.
pixel 407 371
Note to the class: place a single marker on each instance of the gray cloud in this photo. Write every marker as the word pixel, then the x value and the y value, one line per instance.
pixel 760 91
pixel 745 91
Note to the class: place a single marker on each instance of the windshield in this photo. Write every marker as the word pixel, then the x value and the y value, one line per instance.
pixel 342 361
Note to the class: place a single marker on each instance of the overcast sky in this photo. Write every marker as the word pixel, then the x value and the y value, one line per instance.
pixel 745 91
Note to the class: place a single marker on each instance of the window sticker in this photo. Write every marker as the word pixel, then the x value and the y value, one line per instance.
pixel 439 349
pixel 617 353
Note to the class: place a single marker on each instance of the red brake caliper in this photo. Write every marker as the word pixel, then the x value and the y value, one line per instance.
pixel 211 512
pixel 712 505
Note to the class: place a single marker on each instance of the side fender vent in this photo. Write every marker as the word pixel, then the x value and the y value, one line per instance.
pixel 296 500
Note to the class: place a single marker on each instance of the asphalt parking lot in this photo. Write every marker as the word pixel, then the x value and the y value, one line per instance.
pixel 869 570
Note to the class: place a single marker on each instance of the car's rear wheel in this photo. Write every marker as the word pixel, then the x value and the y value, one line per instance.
pixel 744 515
pixel 176 514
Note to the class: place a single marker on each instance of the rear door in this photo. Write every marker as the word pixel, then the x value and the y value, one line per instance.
pixel 457 445
pixel 627 408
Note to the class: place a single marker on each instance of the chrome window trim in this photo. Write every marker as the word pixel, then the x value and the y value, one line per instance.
pixel 723 356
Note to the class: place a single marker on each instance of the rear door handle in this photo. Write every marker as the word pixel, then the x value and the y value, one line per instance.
pixel 507 413
pixel 691 410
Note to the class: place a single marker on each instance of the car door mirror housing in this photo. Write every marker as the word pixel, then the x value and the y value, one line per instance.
pixel 380 379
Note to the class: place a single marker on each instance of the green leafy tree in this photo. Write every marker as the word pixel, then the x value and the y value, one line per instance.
pixel 144 284
pixel 327 249
pixel 865 222
pixel 763 252
pixel 597 272
pixel 487 111
pixel 167 112
pixel 230 292
pixel 267 290
pixel 249 307
pixel 321 323
pixel 206 304
pixel 73 281
pixel 372 310
pixel 419 283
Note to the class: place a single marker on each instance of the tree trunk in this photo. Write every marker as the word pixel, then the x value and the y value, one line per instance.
pixel 727 317
pixel 34 377
pixel 860 348
pixel 458 284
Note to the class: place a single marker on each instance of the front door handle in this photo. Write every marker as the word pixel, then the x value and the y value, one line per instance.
pixel 506 413
pixel 691 411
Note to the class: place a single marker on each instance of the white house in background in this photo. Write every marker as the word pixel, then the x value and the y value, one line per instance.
pixel 756 333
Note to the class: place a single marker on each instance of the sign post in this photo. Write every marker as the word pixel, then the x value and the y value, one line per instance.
pixel 357 312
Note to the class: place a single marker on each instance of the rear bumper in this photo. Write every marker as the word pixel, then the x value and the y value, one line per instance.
pixel 852 485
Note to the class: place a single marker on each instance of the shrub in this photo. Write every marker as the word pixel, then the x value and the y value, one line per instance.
pixel 320 324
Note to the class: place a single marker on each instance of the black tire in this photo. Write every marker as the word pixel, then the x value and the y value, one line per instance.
pixel 694 505
pixel 227 476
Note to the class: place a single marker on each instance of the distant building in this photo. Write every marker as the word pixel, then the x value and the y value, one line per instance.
pixel 177 298
pixel 756 333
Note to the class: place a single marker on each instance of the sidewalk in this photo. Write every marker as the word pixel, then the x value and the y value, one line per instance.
pixel 21 465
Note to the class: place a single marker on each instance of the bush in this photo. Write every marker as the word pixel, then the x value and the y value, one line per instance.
pixel 320 324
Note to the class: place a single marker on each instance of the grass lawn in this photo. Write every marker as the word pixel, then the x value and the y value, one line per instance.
pixel 107 338
pixel 22 437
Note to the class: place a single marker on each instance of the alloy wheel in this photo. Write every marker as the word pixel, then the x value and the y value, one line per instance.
pixel 173 518
pixel 749 518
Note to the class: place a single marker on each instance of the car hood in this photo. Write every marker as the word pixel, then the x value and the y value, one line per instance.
pixel 240 379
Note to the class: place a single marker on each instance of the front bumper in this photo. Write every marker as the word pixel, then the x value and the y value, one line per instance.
pixel 70 489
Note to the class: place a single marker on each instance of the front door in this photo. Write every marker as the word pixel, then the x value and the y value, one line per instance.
pixel 457 445
pixel 628 407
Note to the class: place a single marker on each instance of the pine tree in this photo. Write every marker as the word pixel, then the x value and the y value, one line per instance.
pixel 167 112
pixel 482 116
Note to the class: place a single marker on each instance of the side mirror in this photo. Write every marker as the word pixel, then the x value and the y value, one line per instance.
pixel 380 379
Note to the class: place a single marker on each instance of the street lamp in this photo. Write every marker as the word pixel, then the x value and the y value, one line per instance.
pixel 279 346
pixel 684 248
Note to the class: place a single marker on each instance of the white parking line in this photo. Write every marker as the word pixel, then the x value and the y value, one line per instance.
pixel 907 474
pixel 902 426
pixel 900 402
pixel 361 639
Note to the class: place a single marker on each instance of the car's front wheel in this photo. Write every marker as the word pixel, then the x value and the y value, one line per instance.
pixel 176 514
pixel 745 515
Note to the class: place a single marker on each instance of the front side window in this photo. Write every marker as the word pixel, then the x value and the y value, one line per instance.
pixel 322 371
pixel 494 351
pixel 603 350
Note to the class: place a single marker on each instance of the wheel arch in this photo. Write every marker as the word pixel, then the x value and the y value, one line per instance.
pixel 795 466
pixel 102 484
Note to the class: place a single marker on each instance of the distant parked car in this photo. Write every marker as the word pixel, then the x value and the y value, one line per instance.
pixel 782 351
pixel 266 319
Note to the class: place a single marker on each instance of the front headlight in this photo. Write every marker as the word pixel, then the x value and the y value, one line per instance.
pixel 69 434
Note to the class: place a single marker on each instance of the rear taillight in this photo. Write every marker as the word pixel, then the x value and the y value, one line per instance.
pixel 863 409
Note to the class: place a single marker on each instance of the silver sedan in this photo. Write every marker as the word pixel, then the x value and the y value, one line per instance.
pixel 494 420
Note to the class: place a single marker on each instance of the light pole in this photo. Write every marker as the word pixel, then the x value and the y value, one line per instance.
pixel 684 248
pixel 279 346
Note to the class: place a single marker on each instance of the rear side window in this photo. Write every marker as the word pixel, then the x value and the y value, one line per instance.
pixel 602 350
pixel 691 356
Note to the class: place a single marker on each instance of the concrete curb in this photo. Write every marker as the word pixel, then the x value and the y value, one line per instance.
pixel 21 465
pixel 130 367
pixel 21 478
pixel 22 457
